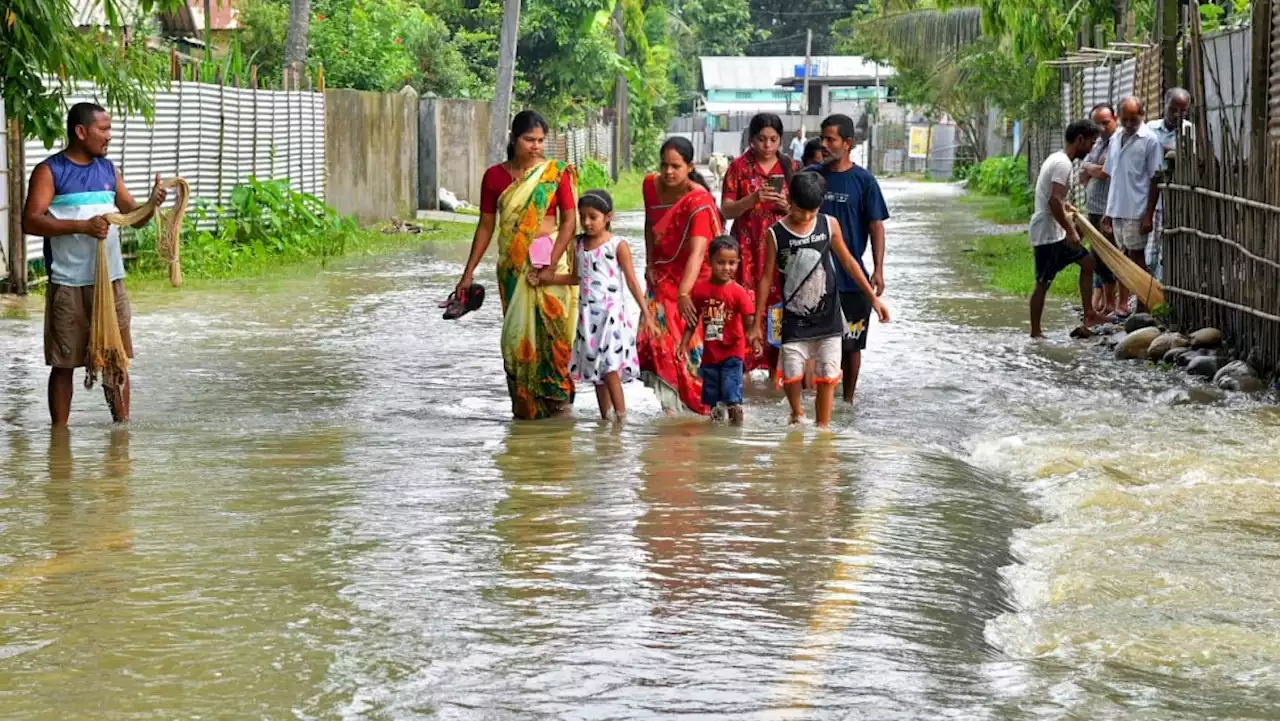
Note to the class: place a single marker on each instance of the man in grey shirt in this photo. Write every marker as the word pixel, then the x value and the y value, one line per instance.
pixel 1096 184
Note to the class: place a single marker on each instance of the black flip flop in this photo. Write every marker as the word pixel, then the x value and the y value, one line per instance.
pixel 455 307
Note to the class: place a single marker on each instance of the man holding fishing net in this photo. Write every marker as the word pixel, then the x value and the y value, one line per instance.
pixel 70 193
pixel 1055 241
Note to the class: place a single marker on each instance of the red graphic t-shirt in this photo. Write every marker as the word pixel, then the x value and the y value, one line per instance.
pixel 722 309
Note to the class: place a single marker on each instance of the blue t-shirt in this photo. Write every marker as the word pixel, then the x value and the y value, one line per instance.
pixel 853 197
pixel 81 192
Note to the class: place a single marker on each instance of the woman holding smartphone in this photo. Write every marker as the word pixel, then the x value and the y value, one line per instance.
pixel 754 196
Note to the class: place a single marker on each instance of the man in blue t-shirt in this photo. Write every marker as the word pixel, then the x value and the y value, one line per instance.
pixel 853 197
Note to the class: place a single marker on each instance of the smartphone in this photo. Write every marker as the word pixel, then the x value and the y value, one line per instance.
pixel 775 184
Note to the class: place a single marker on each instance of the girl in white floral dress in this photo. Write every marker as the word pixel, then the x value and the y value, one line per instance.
pixel 604 347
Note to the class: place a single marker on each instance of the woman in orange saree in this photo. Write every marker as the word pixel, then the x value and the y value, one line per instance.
pixel 523 199
pixel 681 219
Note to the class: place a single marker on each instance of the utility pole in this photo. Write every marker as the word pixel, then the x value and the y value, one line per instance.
pixel 295 43
pixel 621 156
pixel 872 122
pixel 500 108
pixel 208 29
pixel 808 61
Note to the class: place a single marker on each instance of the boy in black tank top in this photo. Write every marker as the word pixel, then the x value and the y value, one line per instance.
pixel 801 252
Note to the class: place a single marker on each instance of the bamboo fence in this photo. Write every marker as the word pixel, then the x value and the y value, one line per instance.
pixel 1221 238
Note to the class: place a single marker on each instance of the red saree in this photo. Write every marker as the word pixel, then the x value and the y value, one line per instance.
pixel 692 216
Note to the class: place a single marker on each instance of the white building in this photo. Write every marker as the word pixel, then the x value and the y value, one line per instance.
pixel 749 85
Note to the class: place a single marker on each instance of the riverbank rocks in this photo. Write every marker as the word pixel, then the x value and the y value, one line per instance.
pixel 1135 344
pixel 1206 338
pixel 1138 321
pixel 1238 376
pixel 1205 366
pixel 1173 356
pixel 1165 343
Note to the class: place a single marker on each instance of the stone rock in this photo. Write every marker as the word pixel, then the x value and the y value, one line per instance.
pixel 1135 344
pixel 1205 366
pixel 1247 384
pixel 1185 359
pixel 1238 376
pixel 1138 321
pixel 1206 338
pixel 1081 333
pixel 1173 356
pixel 1204 395
pixel 1165 343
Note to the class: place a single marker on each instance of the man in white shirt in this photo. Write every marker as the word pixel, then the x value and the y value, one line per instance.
pixel 1134 164
pixel 1053 236
pixel 797 145
pixel 1177 104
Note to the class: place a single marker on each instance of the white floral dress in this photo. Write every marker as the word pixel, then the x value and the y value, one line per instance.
pixel 606 338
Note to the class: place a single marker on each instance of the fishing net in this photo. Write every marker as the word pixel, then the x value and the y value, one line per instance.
pixel 1130 274
pixel 107 355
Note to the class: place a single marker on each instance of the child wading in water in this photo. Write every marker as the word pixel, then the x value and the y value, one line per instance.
pixel 724 308
pixel 802 250
pixel 604 347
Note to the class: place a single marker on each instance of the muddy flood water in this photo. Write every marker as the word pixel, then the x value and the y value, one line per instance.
pixel 322 510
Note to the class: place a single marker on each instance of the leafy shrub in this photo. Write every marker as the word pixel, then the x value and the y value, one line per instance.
pixel 1005 176
pixel 592 175
pixel 267 224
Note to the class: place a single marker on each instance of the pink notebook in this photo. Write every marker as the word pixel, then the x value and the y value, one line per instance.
pixel 540 251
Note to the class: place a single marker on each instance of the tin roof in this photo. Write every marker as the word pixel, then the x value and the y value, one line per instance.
pixel 748 73
pixel 188 20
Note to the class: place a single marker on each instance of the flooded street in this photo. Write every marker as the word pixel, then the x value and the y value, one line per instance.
pixel 322 510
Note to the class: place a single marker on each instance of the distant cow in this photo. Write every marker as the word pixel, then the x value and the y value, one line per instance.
pixel 718 165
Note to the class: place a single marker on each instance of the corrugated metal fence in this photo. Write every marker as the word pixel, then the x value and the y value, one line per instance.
pixel 216 137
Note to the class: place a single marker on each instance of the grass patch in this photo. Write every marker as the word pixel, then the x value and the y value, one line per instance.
pixel 1009 264
pixel 628 192
pixel 998 209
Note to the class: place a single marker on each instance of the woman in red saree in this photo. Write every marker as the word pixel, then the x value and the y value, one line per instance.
pixel 680 220
pixel 748 198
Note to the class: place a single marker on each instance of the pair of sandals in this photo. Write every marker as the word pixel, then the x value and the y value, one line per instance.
pixel 456 307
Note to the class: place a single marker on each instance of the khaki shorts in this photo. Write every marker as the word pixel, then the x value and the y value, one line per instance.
pixel 1128 233
pixel 825 354
pixel 67 313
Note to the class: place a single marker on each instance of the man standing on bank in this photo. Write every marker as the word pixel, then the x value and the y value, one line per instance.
pixel 853 198
pixel 69 193
pixel 1096 184
pixel 1135 162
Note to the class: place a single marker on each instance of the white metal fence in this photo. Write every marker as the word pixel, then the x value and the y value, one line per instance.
pixel 214 136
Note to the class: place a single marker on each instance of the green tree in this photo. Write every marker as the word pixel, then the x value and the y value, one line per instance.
pixel 38 40
pixel 782 24
pixel 720 27
pixel 566 56
pixel 380 45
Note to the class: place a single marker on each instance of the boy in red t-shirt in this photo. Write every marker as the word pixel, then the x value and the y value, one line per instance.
pixel 726 311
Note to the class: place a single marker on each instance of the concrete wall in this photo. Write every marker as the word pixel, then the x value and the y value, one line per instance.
pixel 452 154
pixel 371 154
